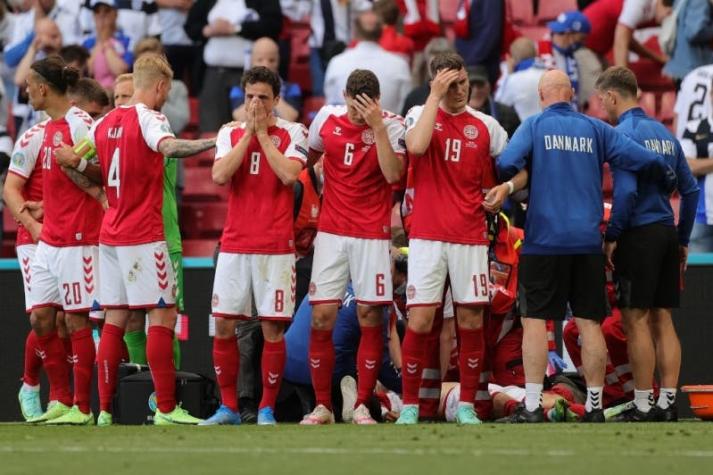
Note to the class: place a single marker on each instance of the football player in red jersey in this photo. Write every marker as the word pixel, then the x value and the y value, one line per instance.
pixel 261 160
pixel 451 148
pixel 363 151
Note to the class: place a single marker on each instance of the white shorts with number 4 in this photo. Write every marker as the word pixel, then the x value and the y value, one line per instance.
pixel 366 261
pixel 65 277
pixel 270 278
pixel 430 262
pixel 25 255
pixel 135 277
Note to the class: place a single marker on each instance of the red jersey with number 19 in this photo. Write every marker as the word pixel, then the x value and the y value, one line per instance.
pixel 72 217
pixel 127 141
pixel 449 179
pixel 260 206
pixel 357 198
pixel 24 164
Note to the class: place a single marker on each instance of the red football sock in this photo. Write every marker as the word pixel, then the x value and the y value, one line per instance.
pixel 226 360
pixel 84 354
pixel 510 406
pixel 110 350
pixel 33 363
pixel 55 364
pixel 577 409
pixel 412 357
pixel 321 365
pixel 273 366
pixel 371 346
pixel 470 362
pixel 159 354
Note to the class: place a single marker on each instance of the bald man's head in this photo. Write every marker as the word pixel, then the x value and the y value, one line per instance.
pixel 49 35
pixel 522 48
pixel 266 53
pixel 554 87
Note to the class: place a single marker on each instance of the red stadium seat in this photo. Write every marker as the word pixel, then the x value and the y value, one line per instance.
pixel 199 186
pixel 199 247
pixel 550 9
pixel 203 220
pixel 299 43
pixel 647 101
pixel 310 108
pixel 299 73
pixel 9 225
pixel 668 100
pixel 521 12
pixel 448 10
pixel 535 33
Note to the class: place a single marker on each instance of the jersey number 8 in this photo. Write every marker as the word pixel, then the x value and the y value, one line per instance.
pixel 255 163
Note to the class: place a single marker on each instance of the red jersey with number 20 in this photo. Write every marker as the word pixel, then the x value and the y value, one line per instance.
pixel 260 206
pixel 357 198
pixel 449 179
pixel 127 141
pixel 24 164
pixel 72 217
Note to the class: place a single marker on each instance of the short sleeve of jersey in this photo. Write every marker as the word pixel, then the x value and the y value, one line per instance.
pixel 498 136
pixel 397 133
pixel 223 145
pixel 412 117
pixel 636 12
pixel 26 151
pixel 297 148
pixel 314 139
pixel 79 124
pixel 154 126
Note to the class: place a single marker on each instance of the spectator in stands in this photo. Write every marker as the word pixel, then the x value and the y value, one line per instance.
pixel 519 88
pixel 420 93
pixel 180 50
pixel 331 24
pixel 47 41
pixel 566 53
pixel 694 32
pixel 482 100
pixel 176 107
pixel 110 55
pixel 136 19
pixel 637 14
pixel 76 57
pixel 391 39
pixel 486 20
pixel 392 71
pixel 266 53
pixel 229 28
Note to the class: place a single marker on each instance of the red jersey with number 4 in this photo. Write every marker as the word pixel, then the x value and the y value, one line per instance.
pixel 356 200
pixel 260 206
pixel 449 179
pixel 24 164
pixel 127 141
pixel 72 217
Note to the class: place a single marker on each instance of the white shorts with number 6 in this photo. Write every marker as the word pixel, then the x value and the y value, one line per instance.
pixel 65 277
pixel 337 258
pixel 430 262
pixel 270 278
pixel 136 277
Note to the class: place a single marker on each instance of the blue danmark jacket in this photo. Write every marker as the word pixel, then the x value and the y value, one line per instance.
pixel 564 152
pixel 637 200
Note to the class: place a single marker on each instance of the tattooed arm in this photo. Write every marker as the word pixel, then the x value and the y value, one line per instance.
pixel 181 148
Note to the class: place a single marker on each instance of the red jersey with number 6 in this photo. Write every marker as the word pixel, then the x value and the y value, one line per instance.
pixel 72 217
pixel 127 141
pixel 357 198
pixel 450 178
pixel 260 206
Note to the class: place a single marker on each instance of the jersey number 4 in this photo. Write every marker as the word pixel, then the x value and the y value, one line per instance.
pixel 113 180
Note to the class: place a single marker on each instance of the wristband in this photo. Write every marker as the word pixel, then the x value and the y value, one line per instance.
pixel 85 149
pixel 82 165
pixel 511 187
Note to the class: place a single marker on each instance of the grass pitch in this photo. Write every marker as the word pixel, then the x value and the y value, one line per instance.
pixel 609 449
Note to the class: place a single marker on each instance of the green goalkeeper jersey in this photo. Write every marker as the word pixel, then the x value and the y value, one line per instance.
pixel 170 207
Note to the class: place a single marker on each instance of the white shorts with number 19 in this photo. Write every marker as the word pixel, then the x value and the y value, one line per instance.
pixel 270 277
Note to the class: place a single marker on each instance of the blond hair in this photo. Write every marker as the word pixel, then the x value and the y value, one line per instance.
pixel 123 77
pixel 148 45
pixel 149 69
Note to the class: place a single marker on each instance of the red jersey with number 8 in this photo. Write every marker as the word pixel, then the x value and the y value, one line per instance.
pixel 450 178
pixel 127 141
pixel 261 207
pixel 72 217
pixel 356 201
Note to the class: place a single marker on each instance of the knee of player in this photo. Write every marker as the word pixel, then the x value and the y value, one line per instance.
pixel 225 328
pixel 370 315
pixel 323 317
pixel 42 321
pixel 272 331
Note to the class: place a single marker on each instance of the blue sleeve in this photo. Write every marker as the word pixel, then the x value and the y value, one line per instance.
pixel 514 157
pixel 237 97
pixel 696 22
pixel 623 153
pixel 688 189
pixel 128 55
pixel 625 193
pixel 14 55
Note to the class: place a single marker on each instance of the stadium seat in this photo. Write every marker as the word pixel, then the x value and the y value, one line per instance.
pixel 448 10
pixel 203 220
pixel 550 9
pixel 9 225
pixel 199 186
pixel 668 100
pixel 199 247
pixel 299 44
pixel 647 101
pixel 299 73
pixel 521 12
pixel 310 108
pixel 535 33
